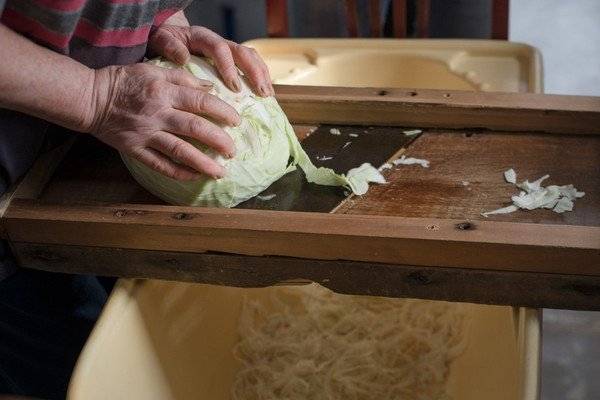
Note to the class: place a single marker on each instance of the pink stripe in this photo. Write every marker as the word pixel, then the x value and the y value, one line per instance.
pixel 163 15
pixel 120 37
pixel 127 1
pixel 62 5
pixel 25 25
pixel 84 30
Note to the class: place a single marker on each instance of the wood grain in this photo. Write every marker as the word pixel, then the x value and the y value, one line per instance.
pixel 423 12
pixel 500 19
pixel 375 23
pixel 399 18
pixel 93 172
pixel 352 18
pixel 396 240
pixel 33 183
pixel 421 235
pixel 519 112
pixel 450 284
pixel 480 160
pixel 353 147
pixel 277 18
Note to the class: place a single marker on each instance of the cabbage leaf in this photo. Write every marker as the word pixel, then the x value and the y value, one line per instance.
pixel 266 149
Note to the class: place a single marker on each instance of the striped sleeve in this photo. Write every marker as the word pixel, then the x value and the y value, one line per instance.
pixel 87 29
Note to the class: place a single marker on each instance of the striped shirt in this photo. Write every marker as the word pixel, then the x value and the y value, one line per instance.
pixel 96 33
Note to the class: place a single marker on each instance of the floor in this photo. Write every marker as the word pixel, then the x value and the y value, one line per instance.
pixel 566 32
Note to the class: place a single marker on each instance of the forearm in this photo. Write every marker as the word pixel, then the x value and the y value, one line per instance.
pixel 42 83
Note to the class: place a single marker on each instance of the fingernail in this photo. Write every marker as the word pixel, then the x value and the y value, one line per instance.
pixel 235 84
pixel 264 91
pixel 238 121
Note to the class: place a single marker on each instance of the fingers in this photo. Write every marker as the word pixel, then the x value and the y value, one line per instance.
pixel 205 41
pixel 227 56
pixel 167 45
pixel 190 125
pixel 185 153
pixel 162 164
pixel 198 102
pixel 253 67
pixel 181 77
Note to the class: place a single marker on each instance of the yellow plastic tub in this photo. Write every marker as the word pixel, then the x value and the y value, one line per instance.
pixel 422 64
pixel 165 340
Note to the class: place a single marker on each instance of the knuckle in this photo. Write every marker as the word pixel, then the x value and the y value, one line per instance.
pixel 135 152
pixel 171 46
pixel 155 88
pixel 177 173
pixel 153 140
pixel 199 30
pixel 255 71
pixel 196 126
pixel 158 165
pixel 161 37
pixel 202 101
pixel 251 50
pixel 221 47
pixel 178 149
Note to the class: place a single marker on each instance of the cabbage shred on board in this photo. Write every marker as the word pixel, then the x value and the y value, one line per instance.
pixel 266 149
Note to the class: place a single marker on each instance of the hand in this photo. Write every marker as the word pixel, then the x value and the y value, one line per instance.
pixel 176 42
pixel 142 109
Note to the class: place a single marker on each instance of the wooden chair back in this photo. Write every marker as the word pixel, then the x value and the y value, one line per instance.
pixel 277 18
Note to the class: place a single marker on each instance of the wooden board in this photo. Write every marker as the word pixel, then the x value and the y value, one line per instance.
pixel 466 178
pixel 397 240
pixel 452 284
pixel 95 173
pixel 421 235
pixel 441 109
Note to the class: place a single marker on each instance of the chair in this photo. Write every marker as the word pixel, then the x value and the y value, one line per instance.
pixel 277 18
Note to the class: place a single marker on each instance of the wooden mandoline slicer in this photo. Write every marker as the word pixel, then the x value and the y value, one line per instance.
pixel 421 235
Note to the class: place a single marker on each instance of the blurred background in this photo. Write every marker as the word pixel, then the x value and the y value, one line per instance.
pixel 567 34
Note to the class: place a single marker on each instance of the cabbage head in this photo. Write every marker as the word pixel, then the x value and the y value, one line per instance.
pixel 266 149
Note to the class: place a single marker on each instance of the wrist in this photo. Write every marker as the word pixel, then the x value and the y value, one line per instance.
pixel 99 96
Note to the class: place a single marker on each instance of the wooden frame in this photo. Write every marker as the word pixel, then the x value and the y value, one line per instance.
pixel 394 240
pixel 454 259
pixel 519 289
pixel 442 109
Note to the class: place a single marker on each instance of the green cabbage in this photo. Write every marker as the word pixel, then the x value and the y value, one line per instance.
pixel 266 149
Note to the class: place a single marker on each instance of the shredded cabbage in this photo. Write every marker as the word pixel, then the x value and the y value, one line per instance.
pixel 266 149
pixel 533 196
pixel 309 343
